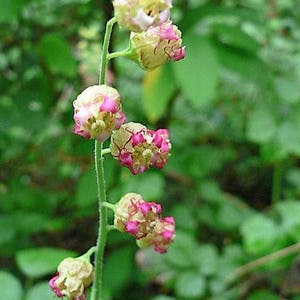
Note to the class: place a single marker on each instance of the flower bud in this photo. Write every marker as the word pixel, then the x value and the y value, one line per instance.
pixel 138 148
pixel 135 216
pixel 152 48
pixel 74 276
pixel 97 112
pixel 139 15
pixel 161 236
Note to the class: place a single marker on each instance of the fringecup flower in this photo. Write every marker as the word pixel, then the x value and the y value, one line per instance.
pixel 161 236
pixel 73 277
pixel 155 46
pixel 97 112
pixel 139 15
pixel 137 147
pixel 135 216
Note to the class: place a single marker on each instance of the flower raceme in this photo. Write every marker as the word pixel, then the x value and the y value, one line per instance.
pixel 139 15
pixel 97 112
pixel 143 220
pixel 138 148
pixel 73 277
pixel 157 45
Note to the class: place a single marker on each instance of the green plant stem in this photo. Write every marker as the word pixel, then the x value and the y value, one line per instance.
pixel 104 59
pixel 109 205
pixel 276 184
pixel 125 52
pixel 101 191
pixel 243 270
pixel 105 151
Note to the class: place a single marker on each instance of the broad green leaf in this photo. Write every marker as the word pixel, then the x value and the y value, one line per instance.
pixel 11 288
pixel 86 193
pixel 182 250
pixel 217 12
pixel 259 234
pixel 288 89
pixel 234 36
pixel 40 291
pixel 150 184
pixel 289 213
pixel 158 89
pixel 190 285
pixel 261 125
pixel 118 269
pixel 37 262
pixel 288 138
pixel 197 73
pixel 207 259
pixel 57 54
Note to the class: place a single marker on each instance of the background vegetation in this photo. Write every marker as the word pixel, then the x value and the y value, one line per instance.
pixel 232 182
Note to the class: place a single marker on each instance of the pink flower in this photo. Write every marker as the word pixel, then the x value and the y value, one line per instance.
pixel 97 112
pixel 161 236
pixel 139 15
pixel 143 220
pixel 135 216
pixel 138 148
pixel 155 46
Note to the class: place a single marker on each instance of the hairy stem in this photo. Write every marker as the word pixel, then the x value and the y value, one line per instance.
pixel 101 191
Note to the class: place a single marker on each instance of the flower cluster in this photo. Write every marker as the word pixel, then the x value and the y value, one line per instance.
pixel 138 147
pixel 139 15
pixel 73 277
pixel 97 112
pixel 143 220
pixel 155 46
pixel 154 39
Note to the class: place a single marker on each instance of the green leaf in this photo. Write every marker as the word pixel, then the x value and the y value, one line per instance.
pixel 261 125
pixel 182 250
pixel 86 193
pixel 149 184
pixel 289 212
pixel 40 291
pixel 234 36
pixel 118 270
pixel 207 258
pixel 11 288
pixel 288 89
pixel 57 54
pixel 288 138
pixel 259 234
pixel 197 73
pixel 158 88
pixel 190 285
pixel 39 262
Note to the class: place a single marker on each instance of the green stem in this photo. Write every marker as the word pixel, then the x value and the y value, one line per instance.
pixel 109 205
pixel 125 52
pixel 105 151
pixel 101 191
pixel 109 26
pixel 245 269
pixel 276 184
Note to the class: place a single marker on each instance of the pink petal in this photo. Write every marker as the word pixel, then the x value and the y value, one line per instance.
pixel 108 105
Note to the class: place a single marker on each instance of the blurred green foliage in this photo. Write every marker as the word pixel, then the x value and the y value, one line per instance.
pixel 232 182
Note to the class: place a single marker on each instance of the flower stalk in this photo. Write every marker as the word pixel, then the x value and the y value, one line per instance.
pixel 101 189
